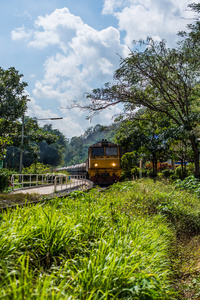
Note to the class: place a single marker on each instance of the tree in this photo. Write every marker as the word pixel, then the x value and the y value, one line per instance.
pixel 192 36
pixel 128 162
pixel 145 133
pixel 161 79
pixel 13 103
pixel 53 153
pixel 32 137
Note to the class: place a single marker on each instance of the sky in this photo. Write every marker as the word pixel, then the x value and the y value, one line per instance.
pixel 66 48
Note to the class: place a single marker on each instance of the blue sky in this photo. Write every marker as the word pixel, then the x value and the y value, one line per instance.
pixel 65 48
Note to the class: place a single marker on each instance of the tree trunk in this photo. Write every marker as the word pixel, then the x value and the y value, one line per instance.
pixel 196 155
pixel 154 163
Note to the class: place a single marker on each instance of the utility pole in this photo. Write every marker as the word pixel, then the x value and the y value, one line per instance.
pixel 21 147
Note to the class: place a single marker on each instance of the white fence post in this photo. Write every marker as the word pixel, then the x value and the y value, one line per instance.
pixel 55 183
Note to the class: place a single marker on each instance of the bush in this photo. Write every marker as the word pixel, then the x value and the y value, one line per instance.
pixel 4 180
pixel 167 173
pixel 151 174
pixel 128 161
pixel 135 171
pixel 181 173
pixel 144 173
pixel 190 183
pixel 39 168
pixel 173 176
pixel 160 175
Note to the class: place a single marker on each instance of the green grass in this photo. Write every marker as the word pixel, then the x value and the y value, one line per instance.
pixel 119 244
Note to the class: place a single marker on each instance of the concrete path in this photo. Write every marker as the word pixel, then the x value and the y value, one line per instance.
pixel 46 190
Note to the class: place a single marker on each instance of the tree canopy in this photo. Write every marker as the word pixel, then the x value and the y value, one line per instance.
pixel 13 99
pixel 161 79
pixel 146 133
pixel 13 104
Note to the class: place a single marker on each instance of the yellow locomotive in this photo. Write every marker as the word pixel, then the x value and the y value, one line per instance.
pixel 103 165
pixel 104 162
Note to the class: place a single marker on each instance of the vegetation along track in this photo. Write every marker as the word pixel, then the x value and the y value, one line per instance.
pixel 19 200
pixel 129 242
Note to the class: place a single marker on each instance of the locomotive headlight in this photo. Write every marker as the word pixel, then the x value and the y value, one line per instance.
pixel 113 164
pixel 96 165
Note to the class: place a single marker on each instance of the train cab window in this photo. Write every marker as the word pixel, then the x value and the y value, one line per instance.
pixel 111 151
pixel 97 151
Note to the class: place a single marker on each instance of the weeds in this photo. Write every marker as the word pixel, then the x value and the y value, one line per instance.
pixel 113 245
pixel 87 246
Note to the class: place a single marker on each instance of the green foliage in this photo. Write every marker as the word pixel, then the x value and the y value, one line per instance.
pixel 151 173
pixel 89 246
pixel 118 244
pixel 128 162
pixel 34 137
pixel 13 104
pixel 190 183
pixel 13 101
pixel 167 173
pixel 181 172
pixel 135 171
pixel 4 180
pixel 53 152
pixel 37 168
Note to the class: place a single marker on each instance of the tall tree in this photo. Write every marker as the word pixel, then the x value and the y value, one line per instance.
pixel 53 153
pixel 145 133
pixel 13 103
pixel 33 135
pixel 161 79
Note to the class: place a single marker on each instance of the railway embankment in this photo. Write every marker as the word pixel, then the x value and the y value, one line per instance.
pixel 136 240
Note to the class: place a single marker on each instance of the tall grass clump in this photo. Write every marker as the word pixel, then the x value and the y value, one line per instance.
pixel 86 246
pixel 190 184
pixel 180 208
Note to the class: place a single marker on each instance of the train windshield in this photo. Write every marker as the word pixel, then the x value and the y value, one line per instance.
pixel 111 150
pixel 97 151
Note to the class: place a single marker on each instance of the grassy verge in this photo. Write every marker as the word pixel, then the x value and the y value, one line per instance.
pixel 17 199
pixel 120 244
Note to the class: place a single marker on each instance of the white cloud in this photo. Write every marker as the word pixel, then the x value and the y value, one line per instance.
pixel 35 110
pixel 142 18
pixel 85 60
pixel 20 33
pixel 90 58
pixel 68 126
pixel 110 6
pixel 80 58
pixel 45 91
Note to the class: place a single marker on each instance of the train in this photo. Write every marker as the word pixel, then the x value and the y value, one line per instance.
pixel 103 165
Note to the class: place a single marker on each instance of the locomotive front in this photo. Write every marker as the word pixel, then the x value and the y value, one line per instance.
pixel 104 165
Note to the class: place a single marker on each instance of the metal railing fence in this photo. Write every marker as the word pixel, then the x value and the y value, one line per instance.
pixel 60 182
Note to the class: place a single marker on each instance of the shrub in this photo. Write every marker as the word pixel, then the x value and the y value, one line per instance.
pixel 189 183
pixel 167 173
pixel 128 161
pixel 144 173
pixel 39 168
pixel 173 176
pixel 4 180
pixel 181 173
pixel 135 171
pixel 150 174
pixel 160 175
